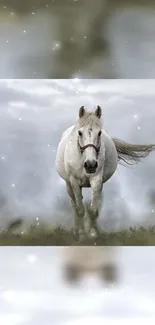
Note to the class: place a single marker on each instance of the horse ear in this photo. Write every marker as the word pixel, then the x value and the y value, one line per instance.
pixel 81 111
pixel 98 112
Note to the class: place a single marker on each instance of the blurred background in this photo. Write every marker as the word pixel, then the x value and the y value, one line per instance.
pixel 33 115
pixel 33 289
pixel 91 39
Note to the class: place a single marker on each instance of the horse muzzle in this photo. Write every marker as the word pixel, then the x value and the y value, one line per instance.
pixel 90 166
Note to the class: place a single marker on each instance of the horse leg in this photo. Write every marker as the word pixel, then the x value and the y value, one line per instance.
pixel 79 228
pixel 95 204
pixel 76 188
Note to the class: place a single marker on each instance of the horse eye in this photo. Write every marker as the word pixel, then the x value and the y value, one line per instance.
pixel 80 133
pixel 99 134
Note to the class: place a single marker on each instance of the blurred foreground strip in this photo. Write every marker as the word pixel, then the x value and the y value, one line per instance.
pixel 110 321
pixel 64 38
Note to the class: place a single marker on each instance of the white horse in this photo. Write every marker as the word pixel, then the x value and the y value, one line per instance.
pixel 88 157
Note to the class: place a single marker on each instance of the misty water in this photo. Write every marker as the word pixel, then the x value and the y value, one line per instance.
pixel 33 115
pixel 31 47
pixel 33 291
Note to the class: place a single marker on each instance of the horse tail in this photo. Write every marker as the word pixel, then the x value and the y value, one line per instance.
pixel 131 154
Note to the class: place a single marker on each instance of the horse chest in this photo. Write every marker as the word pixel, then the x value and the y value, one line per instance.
pixel 85 182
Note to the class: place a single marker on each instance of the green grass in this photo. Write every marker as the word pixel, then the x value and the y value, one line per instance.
pixel 58 236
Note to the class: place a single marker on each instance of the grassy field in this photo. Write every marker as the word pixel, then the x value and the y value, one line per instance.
pixel 58 236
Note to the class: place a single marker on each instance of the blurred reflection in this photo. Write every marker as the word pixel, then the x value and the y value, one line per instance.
pixel 81 261
pixel 60 39
pixel 33 290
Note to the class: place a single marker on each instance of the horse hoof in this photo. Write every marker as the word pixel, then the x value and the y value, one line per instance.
pixel 82 236
pixel 79 235
pixel 76 235
pixel 93 233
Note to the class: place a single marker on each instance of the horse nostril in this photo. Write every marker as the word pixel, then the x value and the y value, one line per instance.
pixel 87 164
pixel 94 164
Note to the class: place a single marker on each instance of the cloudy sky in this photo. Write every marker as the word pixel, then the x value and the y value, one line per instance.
pixel 33 115
pixel 32 290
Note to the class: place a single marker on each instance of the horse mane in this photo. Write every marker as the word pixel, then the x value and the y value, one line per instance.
pixel 89 119
pixel 131 154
